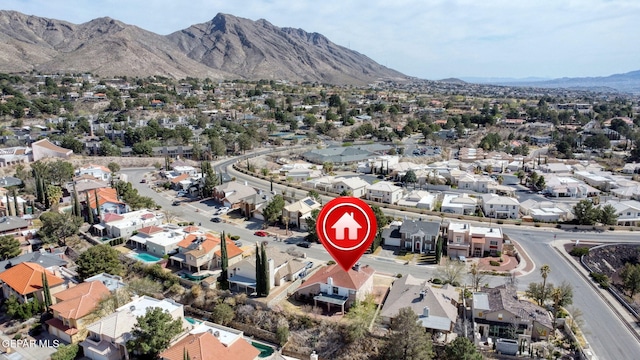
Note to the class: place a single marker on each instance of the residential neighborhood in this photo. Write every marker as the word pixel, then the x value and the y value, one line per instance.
pixel 177 226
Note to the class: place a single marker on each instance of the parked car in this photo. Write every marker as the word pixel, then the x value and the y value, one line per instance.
pixel 261 233
pixel 223 210
pixel 304 244
pixel 175 203
pixel 238 243
pixel 181 193
pixel 309 265
pixel 143 181
pixel 216 219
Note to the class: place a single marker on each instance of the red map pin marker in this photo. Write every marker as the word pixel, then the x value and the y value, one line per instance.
pixel 346 226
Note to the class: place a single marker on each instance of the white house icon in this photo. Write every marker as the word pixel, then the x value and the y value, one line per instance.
pixel 346 222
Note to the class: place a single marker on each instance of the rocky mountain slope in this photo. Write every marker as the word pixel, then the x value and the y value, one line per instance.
pixel 227 47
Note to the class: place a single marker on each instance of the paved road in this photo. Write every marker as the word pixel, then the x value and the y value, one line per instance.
pixel 608 336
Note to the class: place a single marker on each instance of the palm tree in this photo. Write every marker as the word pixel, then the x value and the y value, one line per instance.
pixel 544 272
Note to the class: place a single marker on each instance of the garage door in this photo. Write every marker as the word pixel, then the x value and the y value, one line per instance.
pixel 392 241
pixel 454 253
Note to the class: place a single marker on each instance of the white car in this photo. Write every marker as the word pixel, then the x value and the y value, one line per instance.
pixel 181 193
pixel 223 210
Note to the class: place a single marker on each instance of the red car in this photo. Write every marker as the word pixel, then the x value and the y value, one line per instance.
pixel 260 233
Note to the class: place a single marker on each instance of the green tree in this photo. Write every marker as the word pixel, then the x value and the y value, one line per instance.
pixel 273 211
pixel 266 284
pixel 99 259
pixel 410 177
pixel 630 275
pixel 66 352
pixel 544 272
pixel 153 333
pixel 585 213
pixel 598 141
pixel 114 167
pixel 312 236
pixel 222 314
pixel 461 349
pixel 46 291
pixel 327 167
pixel 9 247
pixel 58 227
pixel 608 215
pixel 408 340
pixel 223 279
pixel 54 194
pixel 260 275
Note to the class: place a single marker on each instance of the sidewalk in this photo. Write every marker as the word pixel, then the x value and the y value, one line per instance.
pixel 627 318
pixel 526 265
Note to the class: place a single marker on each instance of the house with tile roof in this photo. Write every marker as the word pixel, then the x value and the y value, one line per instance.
pixel 201 251
pixel 45 149
pixel 456 203
pixel 420 199
pixel 436 307
pixel 99 172
pixel 500 207
pixel 331 285
pixel 282 268
pixel 112 282
pixel 496 310
pixel 24 281
pixel 212 342
pixel 158 240
pixel 628 211
pixel 419 236
pixel 299 211
pixel 384 192
pixel 466 240
pixel 232 193
pixel 107 338
pixel 107 199
pixel 71 307
pixel 354 186
pixel 124 225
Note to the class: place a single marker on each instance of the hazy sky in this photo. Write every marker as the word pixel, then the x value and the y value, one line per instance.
pixel 430 39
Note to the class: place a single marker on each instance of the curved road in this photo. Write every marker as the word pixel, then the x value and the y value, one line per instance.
pixel 607 334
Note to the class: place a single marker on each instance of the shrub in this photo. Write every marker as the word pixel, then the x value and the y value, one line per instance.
pixel 579 251
pixel 601 279
pixel 398 275
pixel 536 224
pixel 235 237
pixel 17 336
pixel 494 263
pixel 500 222
pixel 499 254
pixel 436 281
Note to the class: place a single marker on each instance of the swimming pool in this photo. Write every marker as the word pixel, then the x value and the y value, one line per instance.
pixel 146 258
pixel 265 351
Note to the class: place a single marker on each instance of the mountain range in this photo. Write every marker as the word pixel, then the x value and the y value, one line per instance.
pixel 628 82
pixel 227 47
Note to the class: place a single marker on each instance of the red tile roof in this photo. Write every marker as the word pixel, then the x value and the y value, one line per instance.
pixel 26 278
pixel 57 323
pixel 148 230
pixel 348 280
pixel 80 300
pixel 112 217
pixel 205 346
pixel 105 195
pixel 179 178
pixel 190 229
pixel 232 250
